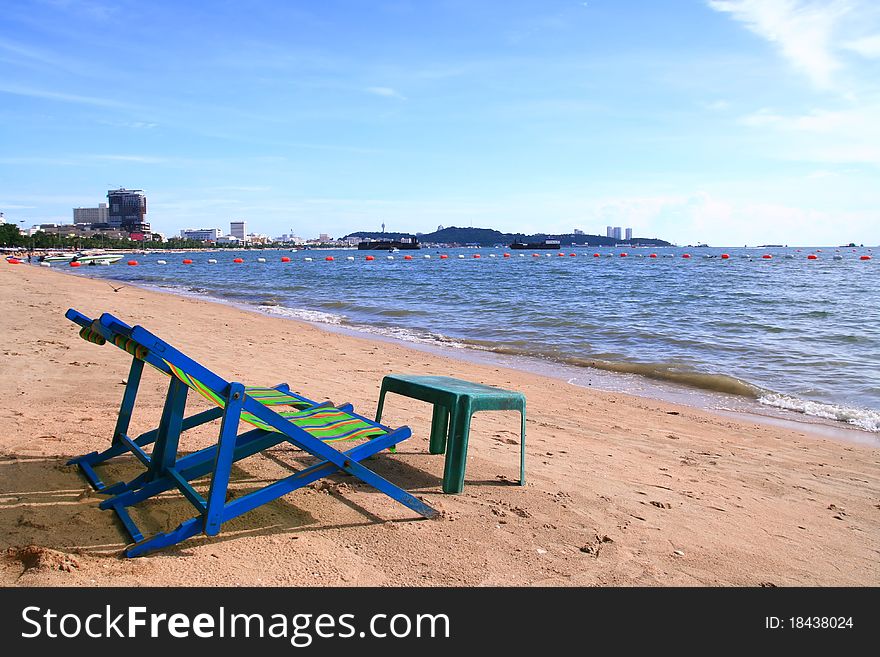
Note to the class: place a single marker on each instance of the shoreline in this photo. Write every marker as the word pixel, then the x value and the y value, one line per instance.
pixel 683 496
pixel 607 380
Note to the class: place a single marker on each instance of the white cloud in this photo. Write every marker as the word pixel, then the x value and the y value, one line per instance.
pixel 387 92
pixel 866 46
pixel 803 31
pixel 61 97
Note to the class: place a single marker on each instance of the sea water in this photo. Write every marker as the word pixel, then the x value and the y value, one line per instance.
pixel 786 332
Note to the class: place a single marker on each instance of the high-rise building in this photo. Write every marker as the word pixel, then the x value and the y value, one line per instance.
pixel 609 231
pixel 629 234
pixel 238 229
pixel 98 215
pixel 617 233
pixel 128 208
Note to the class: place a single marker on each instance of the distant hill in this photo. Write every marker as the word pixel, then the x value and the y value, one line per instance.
pixel 489 237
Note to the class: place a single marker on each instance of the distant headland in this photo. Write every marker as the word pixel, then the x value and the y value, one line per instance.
pixel 489 237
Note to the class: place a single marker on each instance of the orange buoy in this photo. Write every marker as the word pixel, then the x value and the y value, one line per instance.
pixel 476 255
pixel 132 263
pixel 407 257
pixel 443 256
pixel 187 261
pixel 285 259
pixel 329 259
pixel 812 256
pixel 724 256
pixel 685 255
pixel 237 260
pixel 536 255
pixel 506 255
pixel 573 255
pixel 864 257
pixel 767 256
pixel 74 263
pixel 653 255
pixel 369 258
pixel 624 254
pixel 595 255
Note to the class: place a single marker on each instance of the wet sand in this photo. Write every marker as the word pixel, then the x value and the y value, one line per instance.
pixel 621 490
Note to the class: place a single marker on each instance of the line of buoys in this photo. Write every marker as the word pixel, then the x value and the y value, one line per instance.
pixel 132 263
pixel 237 261
pixel 187 261
pixel 74 263
pixel 369 258
pixel 285 259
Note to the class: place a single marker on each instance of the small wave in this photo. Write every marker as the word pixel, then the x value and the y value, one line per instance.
pixel 657 371
pixel 306 315
pixel 408 335
pixel 862 418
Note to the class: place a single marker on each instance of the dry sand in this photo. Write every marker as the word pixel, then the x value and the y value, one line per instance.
pixel 621 490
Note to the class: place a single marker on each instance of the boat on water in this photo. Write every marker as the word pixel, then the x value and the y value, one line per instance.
pixel 546 244
pixel 403 244
pixel 83 257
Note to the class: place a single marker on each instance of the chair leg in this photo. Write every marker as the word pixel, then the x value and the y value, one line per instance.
pixel 223 462
pixel 128 398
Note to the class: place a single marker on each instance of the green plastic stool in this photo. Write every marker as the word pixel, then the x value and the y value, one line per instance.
pixel 455 401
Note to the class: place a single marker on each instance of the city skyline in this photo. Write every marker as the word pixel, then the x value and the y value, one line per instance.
pixel 721 121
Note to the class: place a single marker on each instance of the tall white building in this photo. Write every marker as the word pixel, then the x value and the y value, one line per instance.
pixel 201 234
pixel 238 229
pixel 98 215
pixel 617 233
pixel 629 234
pixel 609 231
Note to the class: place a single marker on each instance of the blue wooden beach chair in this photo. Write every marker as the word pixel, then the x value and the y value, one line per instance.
pixel 277 414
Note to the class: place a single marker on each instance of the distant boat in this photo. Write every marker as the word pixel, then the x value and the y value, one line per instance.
pixel 404 244
pixel 546 244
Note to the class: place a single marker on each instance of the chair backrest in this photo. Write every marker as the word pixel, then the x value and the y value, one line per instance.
pixel 145 346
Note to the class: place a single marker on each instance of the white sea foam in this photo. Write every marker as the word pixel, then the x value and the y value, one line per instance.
pixel 863 418
pixel 303 314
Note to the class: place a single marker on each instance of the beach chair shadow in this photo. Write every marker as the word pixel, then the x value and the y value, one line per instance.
pixel 40 494
pixel 277 415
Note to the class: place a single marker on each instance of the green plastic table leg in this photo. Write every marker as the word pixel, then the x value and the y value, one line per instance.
pixel 522 448
pixel 456 451
pixel 439 429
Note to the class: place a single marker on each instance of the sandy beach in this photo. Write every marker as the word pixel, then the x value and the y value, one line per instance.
pixel 622 491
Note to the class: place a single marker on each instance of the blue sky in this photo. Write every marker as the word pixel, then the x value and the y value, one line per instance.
pixel 723 121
